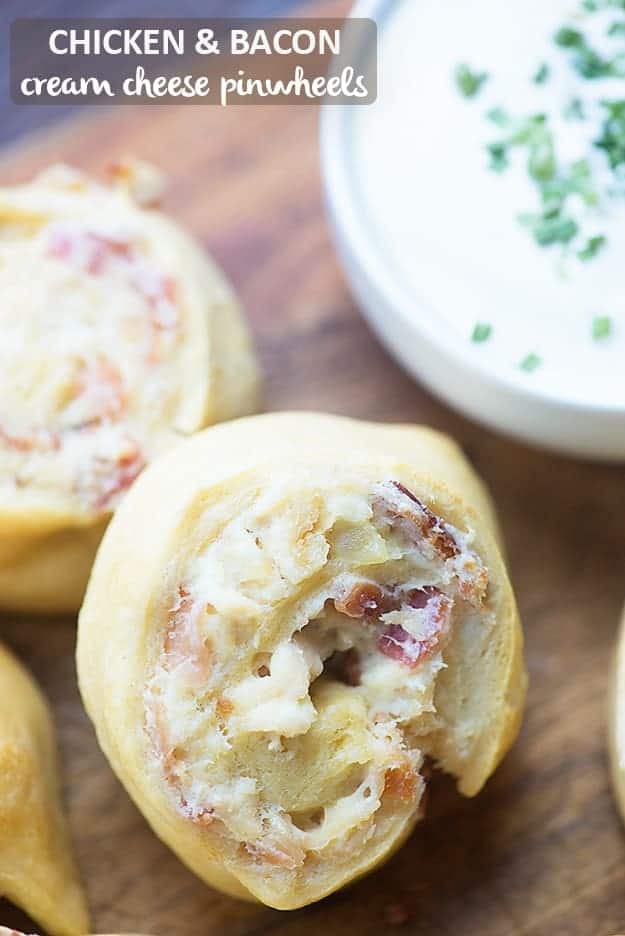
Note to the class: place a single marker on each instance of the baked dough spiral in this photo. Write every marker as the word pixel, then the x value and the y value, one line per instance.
pixel 37 870
pixel 119 336
pixel 616 721
pixel 287 616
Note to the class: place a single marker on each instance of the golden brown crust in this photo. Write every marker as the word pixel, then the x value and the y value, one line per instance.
pixel 37 870
pixel 616 721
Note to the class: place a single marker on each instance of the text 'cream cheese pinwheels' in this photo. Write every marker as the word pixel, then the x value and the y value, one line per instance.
pixel 119 337
pixel 37 869
pixel 288 615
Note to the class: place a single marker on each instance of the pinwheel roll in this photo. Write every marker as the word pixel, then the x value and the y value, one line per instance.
pixel 37 870
pixel 119 336
pixel 617 721
pixel 287 617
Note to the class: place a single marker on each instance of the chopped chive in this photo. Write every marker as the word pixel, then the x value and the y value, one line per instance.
pixel 550 230
pixel 542 75
pixel 601 327
pixel 498 116
pixel 592 247
pixel 481 332
pixel 574 110
pixel 469 82
pixel 530 363
pixel 498 153
pixel 569 38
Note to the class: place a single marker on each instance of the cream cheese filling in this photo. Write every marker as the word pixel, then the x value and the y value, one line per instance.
pixel 299 656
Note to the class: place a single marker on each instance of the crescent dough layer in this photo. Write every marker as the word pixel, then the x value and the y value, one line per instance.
pixel 119 336
pixel 37 871
pixel 616 732
pixel 287 616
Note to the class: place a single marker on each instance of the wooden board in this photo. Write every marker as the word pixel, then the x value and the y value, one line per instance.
pixel 541 851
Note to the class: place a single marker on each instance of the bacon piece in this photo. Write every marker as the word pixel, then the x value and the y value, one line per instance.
pixel 170 757
pixel 398 644
pixel 157 728
pixel 402 782
pixel 420 597
pixel 184 646
pixel 41 440
pixel 102 387
pixel 401 508
pixel 224 706
pixel 200 815
pixel 273 854
pixel 120 474
pixel 89 250
pixel 363 599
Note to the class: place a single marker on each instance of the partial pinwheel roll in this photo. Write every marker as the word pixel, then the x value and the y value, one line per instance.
pixel 37 870
pixel 617 721
pixel 119 337
pixel 5 931
pixel 288 616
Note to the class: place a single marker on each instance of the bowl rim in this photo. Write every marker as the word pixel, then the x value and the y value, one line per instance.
pixel 347 216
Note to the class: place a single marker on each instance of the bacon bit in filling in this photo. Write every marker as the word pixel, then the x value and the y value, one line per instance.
pixel 168 754
pixel 200 815
pixel 363 599
pixel 41 440
pixel 120 474
pixel 184 646
pixel 170 757
pixel 400 507
pixel 368 601
pixel 88 250
pixel 396 643
pixel 402 782
pixel 224 707
pixel 91 252
pixel 272 854
pixel 102 387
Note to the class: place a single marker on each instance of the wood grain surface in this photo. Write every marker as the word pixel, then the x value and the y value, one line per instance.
pixel 541 850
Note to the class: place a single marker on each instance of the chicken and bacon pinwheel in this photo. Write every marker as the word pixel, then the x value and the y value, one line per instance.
pixel 119 337
pixel 289 617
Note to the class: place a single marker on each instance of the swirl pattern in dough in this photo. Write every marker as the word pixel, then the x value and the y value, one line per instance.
pixel 119 336
pixel 289 615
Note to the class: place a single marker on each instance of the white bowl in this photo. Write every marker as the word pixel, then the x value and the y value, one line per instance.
pixel 422 341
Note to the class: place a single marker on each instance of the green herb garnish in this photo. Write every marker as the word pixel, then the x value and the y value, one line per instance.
pixel 575 110
pixel 499 117
pixel 586 60
pixel 468 81
pixel 550 230
pixel 530 363
pixel 612 139
pixel 542 75
pixel 592 247
pixel 498 153
pixel 601 327
pixel 481 332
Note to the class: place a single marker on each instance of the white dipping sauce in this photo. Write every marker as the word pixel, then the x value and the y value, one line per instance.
pixel 448 225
